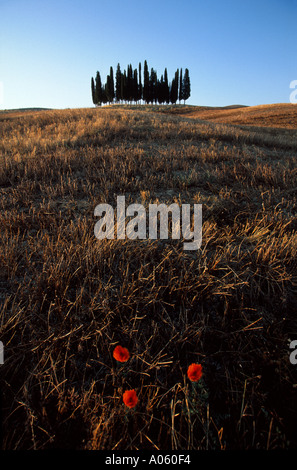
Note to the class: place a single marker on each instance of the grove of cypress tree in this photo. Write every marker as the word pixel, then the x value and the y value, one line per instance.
pixel 128 87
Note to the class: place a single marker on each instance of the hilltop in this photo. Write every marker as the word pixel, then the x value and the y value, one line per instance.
pixel 281 115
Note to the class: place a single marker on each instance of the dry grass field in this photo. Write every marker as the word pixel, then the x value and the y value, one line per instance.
pixel 281 115
pixel 67 299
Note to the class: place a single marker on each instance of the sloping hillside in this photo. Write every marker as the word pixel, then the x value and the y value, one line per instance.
pixel 283 115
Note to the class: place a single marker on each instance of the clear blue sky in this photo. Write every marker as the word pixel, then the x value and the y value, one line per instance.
pixel 237 52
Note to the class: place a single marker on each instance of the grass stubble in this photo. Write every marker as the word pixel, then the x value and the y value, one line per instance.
pixel 67 299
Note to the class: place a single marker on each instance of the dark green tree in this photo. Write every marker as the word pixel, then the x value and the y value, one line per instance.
pixel 166 87
pixel 98 89
pixel 160 90
pixel 111 85
pixel 103 94
pixel 118 84
pixel 174 88
pixel 177 83
pixel 124 86
pixel 93 91
pixel 153 84
pixel 135 85
pixel 186 86
pixel 146 83
pixel 181 87
pixel 108 89
pixel 140 83
pixel 129 83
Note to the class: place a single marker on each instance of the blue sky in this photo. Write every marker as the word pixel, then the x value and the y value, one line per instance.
pixel 237 52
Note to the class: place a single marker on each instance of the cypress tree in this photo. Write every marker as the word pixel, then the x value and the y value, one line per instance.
pixel 146 83
pixel 124 86
pixel 166 87
pixel 129 83
pixel 153 83
pixel 103 95
pixel 140 84
pixel 135 85
pixel 118 83
pixel 93 91
pixel 171 92
pixel 155 87
pixel 181 88
pixel 98 89
pixel 177 83
pixel 108 89
pixel 174 88
pixel 160 90
pixel 111 85
pixel 186 86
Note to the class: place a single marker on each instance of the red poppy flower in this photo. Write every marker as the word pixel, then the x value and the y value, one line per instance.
pixel 121 354
pixel 195 372
pixel 130 398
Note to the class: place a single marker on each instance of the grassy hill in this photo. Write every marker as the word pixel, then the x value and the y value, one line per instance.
pixel 67 299
pixel 281 115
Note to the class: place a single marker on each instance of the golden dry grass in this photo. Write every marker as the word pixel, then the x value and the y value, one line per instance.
pixel 282 115
pixel 68 299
